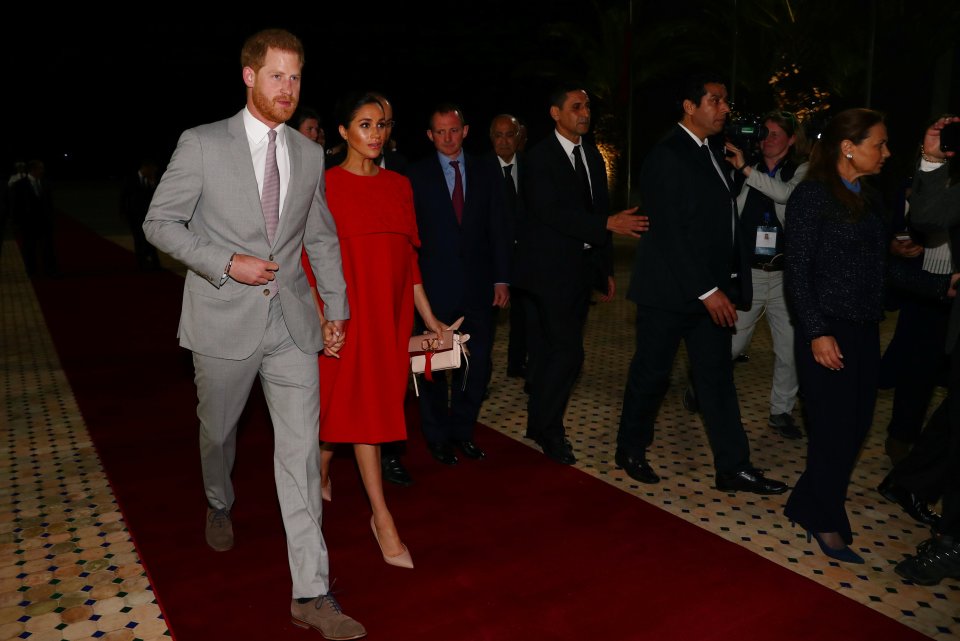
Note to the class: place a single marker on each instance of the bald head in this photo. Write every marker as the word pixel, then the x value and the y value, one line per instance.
pixel 504 134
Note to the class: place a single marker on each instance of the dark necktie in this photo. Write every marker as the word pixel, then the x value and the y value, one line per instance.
pixel 584 178
pixel 510 185
pixel 270 197
pixel 457 196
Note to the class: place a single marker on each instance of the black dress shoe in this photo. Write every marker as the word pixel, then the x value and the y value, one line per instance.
pixel 394 471
pixel 443 452
pixel 470 449
pixel 910 502
pixel 560 451
pixel 636 468
pixel 749 481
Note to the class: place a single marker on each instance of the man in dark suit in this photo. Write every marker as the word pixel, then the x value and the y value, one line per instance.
pixel 506 161
pixel 464 262
pixel 564 252
pixel 35 217
pixel 935 460
pixel 690 274
pixel 134 202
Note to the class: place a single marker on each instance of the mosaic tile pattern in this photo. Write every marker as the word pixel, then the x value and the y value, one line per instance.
pixel 681 456
pixel 68 568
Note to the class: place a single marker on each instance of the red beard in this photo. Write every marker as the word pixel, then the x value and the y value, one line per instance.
pixel 271 110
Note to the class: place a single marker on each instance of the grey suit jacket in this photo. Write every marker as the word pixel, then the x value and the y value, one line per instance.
pixel 935 205
pixel 207 206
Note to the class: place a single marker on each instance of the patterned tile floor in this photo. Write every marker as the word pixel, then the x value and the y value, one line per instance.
pixel 681 456
pixel 68 569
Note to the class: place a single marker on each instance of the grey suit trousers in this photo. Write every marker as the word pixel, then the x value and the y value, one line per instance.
pixel 290 380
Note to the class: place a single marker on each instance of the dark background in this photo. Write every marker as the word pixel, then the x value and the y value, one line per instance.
pixel 91 94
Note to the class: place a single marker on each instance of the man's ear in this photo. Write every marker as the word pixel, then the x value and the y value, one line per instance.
pixel 249 76
pixel 555 113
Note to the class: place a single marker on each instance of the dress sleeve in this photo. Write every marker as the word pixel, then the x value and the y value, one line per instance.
pixel 406 199
pixel 306 268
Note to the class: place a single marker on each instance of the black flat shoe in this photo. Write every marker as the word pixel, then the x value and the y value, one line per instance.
pixel 443 452
pixel 910 503
pixel 749 481
pixel 394 472
pixel 470 449
pixel 636 468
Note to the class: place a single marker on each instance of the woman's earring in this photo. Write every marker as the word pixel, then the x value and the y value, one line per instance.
pixel 850 156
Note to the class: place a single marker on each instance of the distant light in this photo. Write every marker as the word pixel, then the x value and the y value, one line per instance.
pixel 66 155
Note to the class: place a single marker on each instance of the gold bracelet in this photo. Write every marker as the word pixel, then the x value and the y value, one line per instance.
pixel 924 156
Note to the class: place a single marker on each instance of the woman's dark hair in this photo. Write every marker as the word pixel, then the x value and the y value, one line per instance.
pixel 301 114
pixel 853 125
pixel 351 103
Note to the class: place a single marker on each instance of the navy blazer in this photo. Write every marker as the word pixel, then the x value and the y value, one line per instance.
pixel 460 263
pixel 689 248
pixel 550 254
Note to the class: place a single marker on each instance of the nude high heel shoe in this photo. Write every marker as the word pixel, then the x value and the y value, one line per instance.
pixel 402 560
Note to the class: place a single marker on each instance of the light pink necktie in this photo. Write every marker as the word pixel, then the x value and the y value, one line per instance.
pixel 270 198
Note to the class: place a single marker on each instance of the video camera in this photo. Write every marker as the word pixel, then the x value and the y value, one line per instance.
pixel 745 134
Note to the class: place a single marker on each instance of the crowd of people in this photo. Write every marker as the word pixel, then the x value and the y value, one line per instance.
pixel 298 255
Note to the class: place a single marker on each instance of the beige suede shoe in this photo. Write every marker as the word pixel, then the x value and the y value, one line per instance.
pixel 219 529
pixel 324 615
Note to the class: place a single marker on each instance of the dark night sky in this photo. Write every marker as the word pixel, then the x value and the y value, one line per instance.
pixel 105 95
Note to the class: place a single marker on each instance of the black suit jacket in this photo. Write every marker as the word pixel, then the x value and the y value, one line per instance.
pixel 550 253
pixel 460 263
pixel 689 248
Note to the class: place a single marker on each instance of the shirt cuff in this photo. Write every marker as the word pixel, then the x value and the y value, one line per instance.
pixel 709 293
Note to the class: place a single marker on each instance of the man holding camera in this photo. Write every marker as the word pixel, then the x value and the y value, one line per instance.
pixel 935 205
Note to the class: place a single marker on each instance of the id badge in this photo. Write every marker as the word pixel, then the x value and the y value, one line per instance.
pixel 766 241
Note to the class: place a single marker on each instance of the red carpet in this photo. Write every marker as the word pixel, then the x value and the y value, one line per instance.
pixel 512 547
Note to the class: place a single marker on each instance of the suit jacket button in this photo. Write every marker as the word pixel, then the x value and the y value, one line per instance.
pixel 266 292
pixel 271 258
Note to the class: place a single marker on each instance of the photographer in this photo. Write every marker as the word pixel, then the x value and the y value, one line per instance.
pixel 935 205
pixel 762 203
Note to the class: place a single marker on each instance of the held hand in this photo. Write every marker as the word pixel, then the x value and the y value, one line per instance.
pixel 501 295
pixel 435 326
pixel 627 223
pixel 737 159
pixel 905 248
pixel 722 311
pixel 611 290
pixel 952 290
pixel 931 139
pixel 334 335
pixel 251 270
pixel 827 352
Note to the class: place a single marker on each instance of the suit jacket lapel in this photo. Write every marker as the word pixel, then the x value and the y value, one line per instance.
pixel 243 167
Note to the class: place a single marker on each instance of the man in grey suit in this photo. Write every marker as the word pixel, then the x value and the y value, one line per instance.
pixel 239 199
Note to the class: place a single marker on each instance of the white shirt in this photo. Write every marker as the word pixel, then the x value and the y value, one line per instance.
pixel 258 139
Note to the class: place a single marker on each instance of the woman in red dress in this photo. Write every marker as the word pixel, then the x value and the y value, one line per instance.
pixel 362 388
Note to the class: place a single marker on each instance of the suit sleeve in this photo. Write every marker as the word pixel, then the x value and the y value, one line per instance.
pixel 933 205
pixel 323 249
pixel 499 231
pixel 804 218
pixel 172 208
pixel 549 207
pixel 664 190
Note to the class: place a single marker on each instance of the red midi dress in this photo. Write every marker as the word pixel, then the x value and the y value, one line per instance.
pixel 362 392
